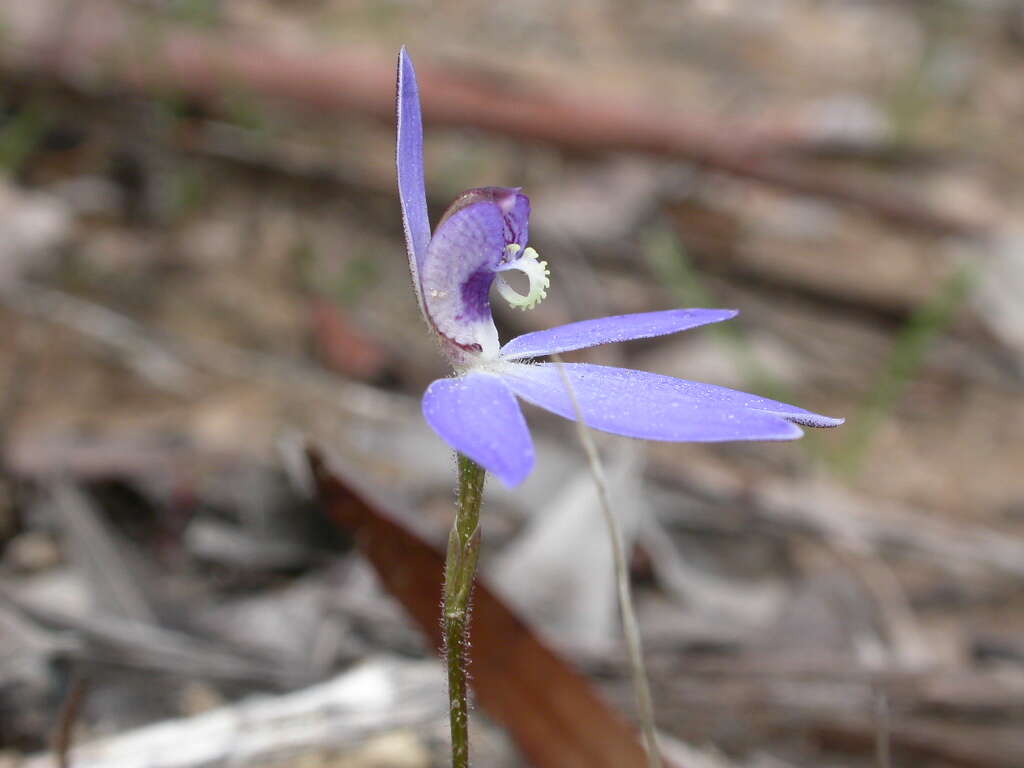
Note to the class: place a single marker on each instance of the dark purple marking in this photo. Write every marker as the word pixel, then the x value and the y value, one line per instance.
pixel 476 290
pixel 517 220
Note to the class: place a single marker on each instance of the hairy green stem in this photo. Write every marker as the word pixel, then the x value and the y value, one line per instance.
pixel 459 571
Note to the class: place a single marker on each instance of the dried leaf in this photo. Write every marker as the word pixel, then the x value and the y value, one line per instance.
pixel 552 712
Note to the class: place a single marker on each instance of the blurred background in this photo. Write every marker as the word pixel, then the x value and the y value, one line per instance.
pixel 202 268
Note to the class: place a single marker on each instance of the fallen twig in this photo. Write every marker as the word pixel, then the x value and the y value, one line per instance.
pixel 376 696
pixel 927 742
pixel 137 644
pixel 169 363
pixel 104 561
pixel 107 48
pixel 848 521
pixel 67 718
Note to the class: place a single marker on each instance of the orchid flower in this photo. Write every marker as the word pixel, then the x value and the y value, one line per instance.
pixel 482 237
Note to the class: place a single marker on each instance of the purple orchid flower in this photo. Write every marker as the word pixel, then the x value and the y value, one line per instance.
pixel 482 236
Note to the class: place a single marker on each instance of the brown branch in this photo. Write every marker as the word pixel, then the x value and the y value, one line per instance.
pixel 67 718
pixel 925 742
pixel 108 48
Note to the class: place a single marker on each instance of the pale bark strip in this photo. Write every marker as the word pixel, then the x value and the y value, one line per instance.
pixel 376 696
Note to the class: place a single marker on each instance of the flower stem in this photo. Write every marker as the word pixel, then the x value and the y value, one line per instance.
pixel 641 686
pixel 459 571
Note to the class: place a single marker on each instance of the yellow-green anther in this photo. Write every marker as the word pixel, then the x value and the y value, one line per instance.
pixel 534 269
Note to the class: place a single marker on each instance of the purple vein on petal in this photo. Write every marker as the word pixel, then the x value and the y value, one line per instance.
pixel 655 407
pixel 513 204
pixel 478 415
pixel 607 330
pixel 411 187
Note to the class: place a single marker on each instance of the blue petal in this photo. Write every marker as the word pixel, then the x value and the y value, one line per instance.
pixel 606 330
pixel 654 407
pixel 411 188
pixel 513 204
pixel 478 415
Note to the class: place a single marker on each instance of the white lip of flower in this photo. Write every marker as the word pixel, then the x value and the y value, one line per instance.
pixel 535 270
pixel 484 334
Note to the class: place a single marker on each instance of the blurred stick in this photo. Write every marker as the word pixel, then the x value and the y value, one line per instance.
pixel 924 742
pixel 630 627
pixel 135 347
pixel 67 717
pixel 338 714
pixel 139 645
pixel 171 364
pixel 110 49
pixel 848 520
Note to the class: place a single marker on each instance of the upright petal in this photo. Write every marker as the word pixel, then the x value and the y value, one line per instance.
pixel 478 415
pixel 654 407
pixel 411 188
pixel 606 330
pixel 517 219
pixel 513 204
pixel 458 273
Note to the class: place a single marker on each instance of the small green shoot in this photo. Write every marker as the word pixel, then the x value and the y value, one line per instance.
pixel 672 266
pixel 912 343
pixel 20 135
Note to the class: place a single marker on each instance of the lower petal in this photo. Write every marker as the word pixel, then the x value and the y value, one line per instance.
pixel 477 415
pixel 655 407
